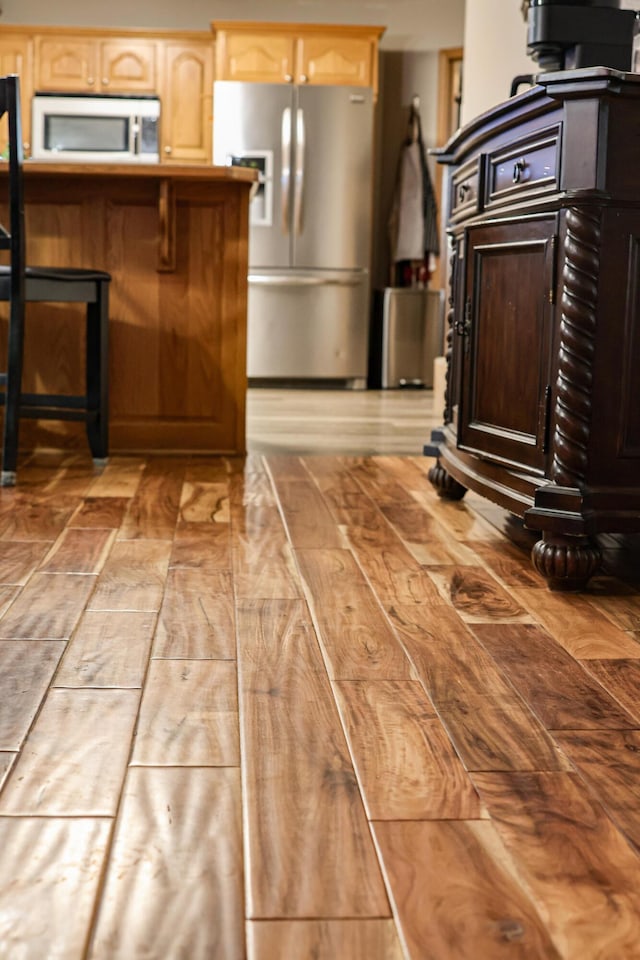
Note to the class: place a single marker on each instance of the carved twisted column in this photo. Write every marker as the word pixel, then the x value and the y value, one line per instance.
pixel 568 562
pixel 446 486
pixel 577 344
pixel 447 415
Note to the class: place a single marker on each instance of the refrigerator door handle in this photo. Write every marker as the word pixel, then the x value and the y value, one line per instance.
pixel 285 173
pixel 299 175
pixel 273 280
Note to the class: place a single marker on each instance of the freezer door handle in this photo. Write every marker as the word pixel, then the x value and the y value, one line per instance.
pixel 299 175
pixel 272 280
pixel 285 173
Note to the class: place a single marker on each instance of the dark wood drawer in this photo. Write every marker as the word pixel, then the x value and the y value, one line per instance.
pixel 465 189
pixel 526 167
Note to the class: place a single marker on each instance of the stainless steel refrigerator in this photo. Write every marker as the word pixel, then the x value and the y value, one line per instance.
pixel 310 224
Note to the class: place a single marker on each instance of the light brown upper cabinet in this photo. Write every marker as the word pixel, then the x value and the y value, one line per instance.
pixel 297 53
pixel 187 101
pixel 16 56
pixel 87 64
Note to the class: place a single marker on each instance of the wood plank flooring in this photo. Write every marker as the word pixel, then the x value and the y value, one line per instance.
pixel 295 707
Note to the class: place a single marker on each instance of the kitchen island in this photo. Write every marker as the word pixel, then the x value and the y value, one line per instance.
pixel 175 241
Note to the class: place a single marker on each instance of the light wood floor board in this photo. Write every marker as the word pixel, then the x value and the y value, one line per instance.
pixel 49 875
pixel 306 515
pixel 585 632
pixel 120 478
pixel 99 512
pixel 433 756
pixel 323 940
pixel 108 649
pixel 27 518
pixel 48 608
pixel 621 678
pixel 174 885
pixel 19 560
pixel 74 758
pixel 356 636
pixel 558 690
pixel 453 897
pixel 26 670
pixel 78 551
pixel 308 839
pixel 196 619
pixel 154 509
pixel 204 502
pixel 188 715
pixel 404 759
pixel 476 595
pixel 6 762
pixel 202 546
pixel 133 576
pixel 395 575
pixel 560 839
pixel 610 763
pixel 490 725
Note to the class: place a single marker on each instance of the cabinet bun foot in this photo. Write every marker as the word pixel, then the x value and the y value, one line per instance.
pixel 447 487
pixel 566 563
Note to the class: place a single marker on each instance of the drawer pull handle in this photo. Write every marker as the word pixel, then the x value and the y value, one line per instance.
pixel 518 169
pixel 463 190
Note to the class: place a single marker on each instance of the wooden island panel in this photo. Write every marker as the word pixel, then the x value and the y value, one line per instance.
pixel 175 241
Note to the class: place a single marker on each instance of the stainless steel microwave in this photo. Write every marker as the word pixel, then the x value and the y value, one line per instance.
pixel 95 129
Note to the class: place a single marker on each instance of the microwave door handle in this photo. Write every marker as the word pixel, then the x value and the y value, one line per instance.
pixel 299 175
pixel 134 135
pixel 285 173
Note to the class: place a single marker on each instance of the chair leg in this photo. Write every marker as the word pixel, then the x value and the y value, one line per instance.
pixel 97 372
pixel 12 394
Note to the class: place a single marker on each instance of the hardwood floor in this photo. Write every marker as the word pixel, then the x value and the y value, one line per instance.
pixel 295 707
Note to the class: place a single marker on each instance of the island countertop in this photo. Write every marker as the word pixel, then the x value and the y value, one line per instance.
pixel 147 171
pixel 175 240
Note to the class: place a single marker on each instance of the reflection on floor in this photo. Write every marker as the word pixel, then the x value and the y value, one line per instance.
pixel 356 422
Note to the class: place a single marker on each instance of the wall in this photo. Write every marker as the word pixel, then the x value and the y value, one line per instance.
pixel 402 75
pixel 494 56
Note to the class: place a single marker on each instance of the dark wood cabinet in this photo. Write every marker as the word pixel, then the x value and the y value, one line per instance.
pixel 543 342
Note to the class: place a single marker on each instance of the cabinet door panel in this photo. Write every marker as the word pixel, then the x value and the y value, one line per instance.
pixel 256 57
pixel 128 66
pixel 16 56
pixel 66 64
pixel 344 61
pixel 187 103
pixel 506 328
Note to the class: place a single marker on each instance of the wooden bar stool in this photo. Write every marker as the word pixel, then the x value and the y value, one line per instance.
pixel 20 284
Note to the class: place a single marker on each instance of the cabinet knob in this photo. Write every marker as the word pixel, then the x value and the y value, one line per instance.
pixel 304 78
pixel 105 81
pixel 288 77
pixel 26 145
pixel 518 169
pixel 463 190
pixel 167 150
pixel 91 81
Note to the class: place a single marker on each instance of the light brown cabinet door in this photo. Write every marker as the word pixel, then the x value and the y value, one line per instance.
pixel 334 60
pixel 66 64
pixel 16 56
pixel 128 66
pixel 187 101
pixel 88 65
pixel 256 57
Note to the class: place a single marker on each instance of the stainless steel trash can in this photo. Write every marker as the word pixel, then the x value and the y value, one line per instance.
pixel 406 337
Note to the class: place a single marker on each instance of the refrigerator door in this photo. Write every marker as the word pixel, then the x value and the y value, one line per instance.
pixel 332 177
pixel 308 324
pixel 252 126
